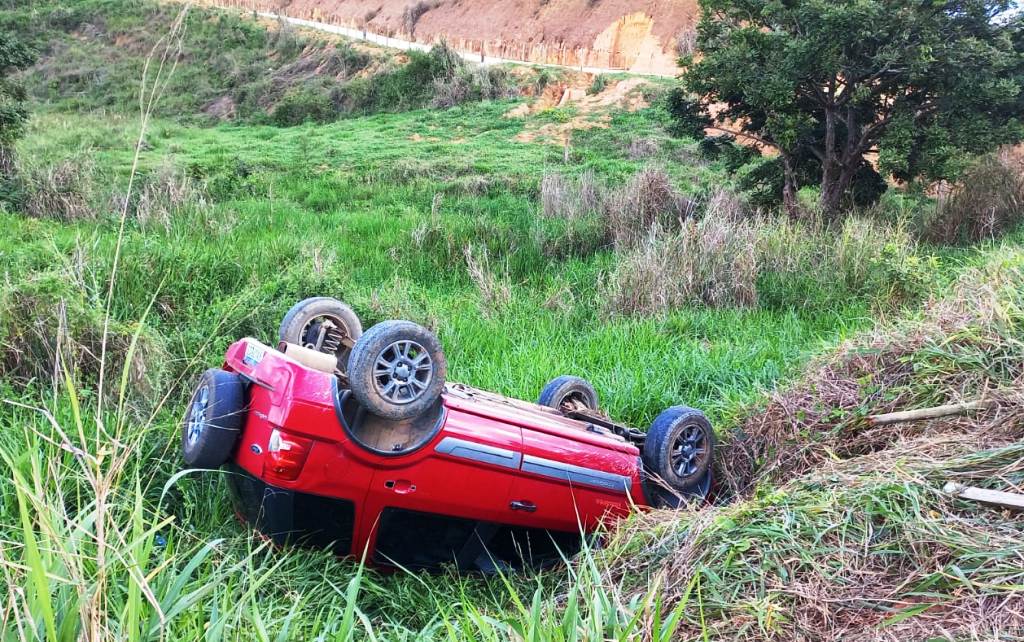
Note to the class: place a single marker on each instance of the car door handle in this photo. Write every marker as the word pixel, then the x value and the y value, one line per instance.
pixel 523 505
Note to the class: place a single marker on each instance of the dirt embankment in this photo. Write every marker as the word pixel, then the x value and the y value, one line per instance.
pixel 614 34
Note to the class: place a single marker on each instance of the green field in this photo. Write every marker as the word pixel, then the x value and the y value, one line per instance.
pixel 403 210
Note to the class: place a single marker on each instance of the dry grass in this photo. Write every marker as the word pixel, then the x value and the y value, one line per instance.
pixel 647 204
pixel 562 197
pixel 848 534
pixel 712 262
pixel 640 148
pixel 63 191
pixel 165 192
pixel 727 257
pixel 494 288
pixel 964 347
pixel 985 204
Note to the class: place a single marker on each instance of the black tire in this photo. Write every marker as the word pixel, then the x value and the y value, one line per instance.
pixel 213 419
pixel 397 369
pixel 305 320
pixel 565 387
pixel 678 451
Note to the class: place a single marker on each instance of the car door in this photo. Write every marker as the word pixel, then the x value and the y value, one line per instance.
pixel 439 495
pixel 566 484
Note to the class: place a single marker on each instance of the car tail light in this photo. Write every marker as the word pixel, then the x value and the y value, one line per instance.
pixel 286 454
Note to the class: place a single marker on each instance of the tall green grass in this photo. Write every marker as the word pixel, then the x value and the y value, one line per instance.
pixel 102 536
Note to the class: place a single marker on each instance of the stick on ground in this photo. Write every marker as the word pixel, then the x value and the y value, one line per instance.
pixel 930 413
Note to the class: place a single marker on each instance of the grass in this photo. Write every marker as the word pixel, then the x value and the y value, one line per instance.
pixel 843 527
pixel 432 215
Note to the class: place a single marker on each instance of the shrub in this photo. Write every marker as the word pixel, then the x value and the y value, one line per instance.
pixel 986 203
pixel 468 83
pixel 303 105
pixel 598 85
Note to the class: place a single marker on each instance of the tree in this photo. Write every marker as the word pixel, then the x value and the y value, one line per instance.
pixel 838 86
pixel 14 55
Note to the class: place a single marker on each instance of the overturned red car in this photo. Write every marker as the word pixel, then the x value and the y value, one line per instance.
pixel 355 442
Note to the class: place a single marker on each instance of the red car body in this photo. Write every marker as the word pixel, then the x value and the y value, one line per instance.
pixel 493 477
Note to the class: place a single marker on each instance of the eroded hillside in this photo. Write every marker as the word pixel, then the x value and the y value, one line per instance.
pixel 615 34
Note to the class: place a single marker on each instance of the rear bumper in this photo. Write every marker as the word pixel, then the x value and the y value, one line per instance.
pixel 291 517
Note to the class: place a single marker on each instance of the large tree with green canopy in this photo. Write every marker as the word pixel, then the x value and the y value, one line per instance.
pixel 835 86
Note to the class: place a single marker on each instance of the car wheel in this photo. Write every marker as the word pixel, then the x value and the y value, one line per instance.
pixel 322 324
pixel 213 419
pixel 568 388
pixel 678 450
pixel 397 369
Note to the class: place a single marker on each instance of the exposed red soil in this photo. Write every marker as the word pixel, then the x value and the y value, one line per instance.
pixel 618 34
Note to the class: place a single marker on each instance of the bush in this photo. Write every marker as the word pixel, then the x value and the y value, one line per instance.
pixel 986 203
pixel 303 105
pixel 598 85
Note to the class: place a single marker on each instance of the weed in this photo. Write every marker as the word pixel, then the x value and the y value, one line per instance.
pixel 640 148
pixel 646 204
pixel 163 194
pixel 598 85
pixel 561 197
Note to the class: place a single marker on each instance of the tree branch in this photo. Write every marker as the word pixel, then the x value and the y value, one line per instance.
pixel 741 134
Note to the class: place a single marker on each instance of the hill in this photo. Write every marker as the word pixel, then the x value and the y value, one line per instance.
pixel 617 34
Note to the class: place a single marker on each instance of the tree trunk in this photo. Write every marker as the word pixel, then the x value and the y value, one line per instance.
pixel 789 189
pixel 833 189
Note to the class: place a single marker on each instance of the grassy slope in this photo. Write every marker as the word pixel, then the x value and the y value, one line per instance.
pixel 352 193
pixel 337 209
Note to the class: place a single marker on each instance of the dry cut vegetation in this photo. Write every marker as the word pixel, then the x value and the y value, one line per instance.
pixel 841 530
